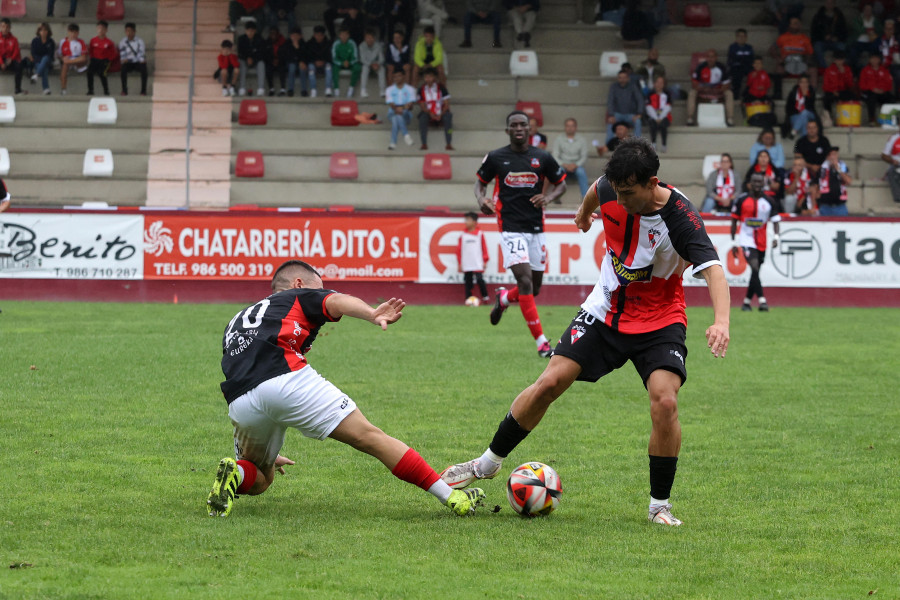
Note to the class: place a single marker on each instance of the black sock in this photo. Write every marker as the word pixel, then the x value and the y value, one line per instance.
pixel 662 475
pixel 509 435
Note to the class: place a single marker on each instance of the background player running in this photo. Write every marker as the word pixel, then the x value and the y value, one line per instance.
pixel 635 312
pixel 520 171
pixel 269 387
pixel 753 211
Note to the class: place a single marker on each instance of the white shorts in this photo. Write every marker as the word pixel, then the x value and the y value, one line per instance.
pixel 519 248
pixel 300 399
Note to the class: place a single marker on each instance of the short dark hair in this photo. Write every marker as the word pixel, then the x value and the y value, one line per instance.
pixel 516 112
pixel 295 30
pixel 281 278
pixel 130 26
pixel 634 162
pixel 372 32
pixel 104 23
pixel 73 27
pixel 471 215
pixel 428 29
pixel 428 71
pixel 319 29
pixel 227 44
pixel 6 21
pixel 250 25
pixel 741 30
pixel 344 29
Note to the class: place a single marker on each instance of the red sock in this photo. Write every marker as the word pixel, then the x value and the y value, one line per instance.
pixel 413 469
pixel 530 312
pixel 249 476
pixel 512 295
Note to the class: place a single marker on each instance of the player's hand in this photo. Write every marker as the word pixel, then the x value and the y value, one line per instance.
pixel 734 251
pixel 281 461
pixel 388 312
pixel 774 242
pixel 487 205
pixel 717 339
pixel 584 221
pixel 539 200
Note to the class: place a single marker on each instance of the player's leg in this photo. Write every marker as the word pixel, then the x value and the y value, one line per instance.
pixel 479 279
pixel 468 282
pixel 754 287
pixel 665 443
pixel 760 293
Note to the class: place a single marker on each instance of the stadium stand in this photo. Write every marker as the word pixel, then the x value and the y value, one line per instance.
pixel 343 165
pixel 98 162
pixel 102 111
pixel 253 112
pixel 437 166
pixel 249 164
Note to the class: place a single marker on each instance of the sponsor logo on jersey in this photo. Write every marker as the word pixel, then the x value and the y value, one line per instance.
pixel 577 332
pixel 535 163
pixel 521 180
pixel 653 235
pixel 754 222
pixel 628 275
pixel 610 219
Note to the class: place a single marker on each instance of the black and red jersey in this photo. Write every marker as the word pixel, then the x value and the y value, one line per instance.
pixel 640 287
pixel 519 177
pixel 271 338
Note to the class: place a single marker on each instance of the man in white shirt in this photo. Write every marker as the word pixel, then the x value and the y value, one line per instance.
pixel 400 97
pixel 571 152
pixel 133 54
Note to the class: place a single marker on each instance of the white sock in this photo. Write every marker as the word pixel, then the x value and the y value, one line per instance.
pixel 240 475
pixel 655 502
pixel 541 340
pixel 503 300
pixel 746 300
pixel 440 490
pixel 762 299
pixel 489 462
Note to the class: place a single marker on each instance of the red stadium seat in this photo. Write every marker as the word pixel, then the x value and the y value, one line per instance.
pixel 343 165
pixel 253 112
pixel 343 113
pixel 12 8
pixel 532 109
pixel 110 10
pixel 249 164
pixel 437 166
pixel 697 15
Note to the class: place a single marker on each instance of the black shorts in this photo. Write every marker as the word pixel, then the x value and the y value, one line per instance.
pixel 599 349
pixel 751 253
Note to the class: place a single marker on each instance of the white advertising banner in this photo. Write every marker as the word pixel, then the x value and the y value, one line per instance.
pixel 71 246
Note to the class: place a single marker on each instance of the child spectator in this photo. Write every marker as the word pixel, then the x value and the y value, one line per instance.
pixel 293 56
pixel 659 112
pixel 799 108
pixel 828 31
pixel 722 186
pixel 227 73
pixel 875 86
pixel 472 254
pixel 401 15
pixel 345 56
pixel 273 62
pixel 710 81
pixel 10 56
pixel 766 141
pixel 796 188
pixel 759 84
pixel 522 15
pixel 434 99
pixel 429 52
pixel 535 137
pixel 838 85
pixel 51 4
pixel 571 152
pixel 772 175
pixel 371 55
pixel 740 60
pixel 397 57
pixel 73 54
pixel 244 8
pixel 42 49
pixel 400 98
pixel 319 54
pixel 831 185
pixel 252 55
pixel 102 51
pixel 891 155
pixel 133 54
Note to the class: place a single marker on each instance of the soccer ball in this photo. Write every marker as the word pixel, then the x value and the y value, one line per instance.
pixel 533 489
pixel 472 301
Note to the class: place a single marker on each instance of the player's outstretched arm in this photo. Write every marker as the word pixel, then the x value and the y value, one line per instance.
pixel 485 202
pixel 382 315
pixel 717 336
pixel 584 218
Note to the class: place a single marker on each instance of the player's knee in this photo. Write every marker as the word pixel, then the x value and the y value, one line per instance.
pixel 525 286
pixel 549 387
pixel 664 407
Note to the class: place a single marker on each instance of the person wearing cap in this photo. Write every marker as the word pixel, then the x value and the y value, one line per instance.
pixel 625 102
pixel 621 131
pixel 831 185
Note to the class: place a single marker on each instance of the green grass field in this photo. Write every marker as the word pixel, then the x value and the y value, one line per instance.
pixel 112 425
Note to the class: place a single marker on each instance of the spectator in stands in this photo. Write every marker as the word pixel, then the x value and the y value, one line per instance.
pixel 429 52
pixel 637 24
pixel 355 22
pixel 620 132
pixel 659 112
pixel 376 18
pixel 102 51
pixel 400 98
pixel 281 10
pixel 784 11
pixel 318 51
pixel 73 54
pixel 10 55
pixel 244 8
pixel 624 102
pixel 397 57
pixel 875 87
pixel 252 55
pixel 891 155
pixel 837 85
pixel 436 11
pixel 337 9
pixel 813 147
pixel 51 4
pixel 345 57
pixel 133 55
pixel 535 137
pixel 710 81
pixel 831 185
pixel 610 11
pixel 864 33
pixel 571 152
pixel 799 108
pixel 294 60
pixel 889 49
pixel 772 175
pixel 649 70
pixel 828 31
pixel 402 13
pixel 722 186
pixel 759 84
pixel 42 50
pixel 274 65
pixel 740 60
pixel 522 15
pixel 796 188
pixel 795 54
pixel 766 141
pixel 481 11
pixel 371 56
pixel 434 99
pixel 227 73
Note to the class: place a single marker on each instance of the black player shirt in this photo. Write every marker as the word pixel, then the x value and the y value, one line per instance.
pixel 520 177
pixel 270 338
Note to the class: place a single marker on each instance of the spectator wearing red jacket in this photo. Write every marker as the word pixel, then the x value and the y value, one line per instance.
pixel 102 51
pixel 244 8
pixel 875 86
pixel 73 54
pixel 838 84
pixel 759 84
pixel 10 56
pixel 229 66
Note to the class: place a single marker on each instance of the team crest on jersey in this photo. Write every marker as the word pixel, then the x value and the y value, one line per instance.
pixel 521 180
pixel 535 163
pixel 653 234
pixel 577 332
pixel 628 275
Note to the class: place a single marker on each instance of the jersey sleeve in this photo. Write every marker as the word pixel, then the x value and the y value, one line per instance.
pixel 313 304
pixel 552 171
pixel 605 192
pixel 736 207
pixel 488 170
pixel 689 237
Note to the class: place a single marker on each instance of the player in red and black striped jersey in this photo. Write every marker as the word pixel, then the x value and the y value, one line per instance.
pixel 519 171
pixel 270 387
pixel 635 312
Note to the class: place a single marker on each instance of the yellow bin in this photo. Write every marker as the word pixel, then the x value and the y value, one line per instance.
pixel 755 108
pixel 849 114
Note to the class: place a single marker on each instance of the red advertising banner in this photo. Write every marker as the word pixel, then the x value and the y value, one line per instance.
pixel 350 248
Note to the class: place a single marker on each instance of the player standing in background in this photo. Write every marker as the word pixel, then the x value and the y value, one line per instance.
pixel 635 312
pixel 753 210
pixel 472 254
pixel 269 387
pixel 519 200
